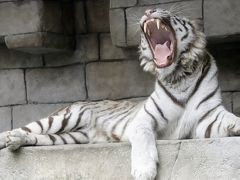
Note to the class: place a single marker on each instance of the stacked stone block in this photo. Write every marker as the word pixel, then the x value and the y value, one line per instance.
pixel 37 26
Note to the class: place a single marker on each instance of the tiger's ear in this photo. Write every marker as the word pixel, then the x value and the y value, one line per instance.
pixel 198 24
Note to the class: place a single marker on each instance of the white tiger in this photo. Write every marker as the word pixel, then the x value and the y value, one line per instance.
pixel 186 102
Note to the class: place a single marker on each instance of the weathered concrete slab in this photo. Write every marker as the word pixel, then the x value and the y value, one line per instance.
pixel 221 18
pixel 118 27
pixel 12 89
pixel 86 50
pixel 110 52
pixel 116 80
pixel 80 19
pixel 15 59
pixel 12 16
pixel 5 121
pixel 187 159
pixel 24 114
pixel 147 2
pixel 98 15
pixel 122 3
pixel 39 42
pixel 37 26
pixel 56 85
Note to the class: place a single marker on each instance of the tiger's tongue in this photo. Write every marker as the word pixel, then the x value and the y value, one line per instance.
pixel 161 52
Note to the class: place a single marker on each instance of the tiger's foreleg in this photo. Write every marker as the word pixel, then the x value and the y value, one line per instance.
pixel 144 155
pixel 220 123
pixel 18 138
pixel 67 126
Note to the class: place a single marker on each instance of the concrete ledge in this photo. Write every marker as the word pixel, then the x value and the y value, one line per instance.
pixel 188 159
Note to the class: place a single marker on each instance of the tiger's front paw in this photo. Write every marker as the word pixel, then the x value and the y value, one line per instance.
pixel 232 126
pixel 15 139
pixel 144 171
pixel 234 129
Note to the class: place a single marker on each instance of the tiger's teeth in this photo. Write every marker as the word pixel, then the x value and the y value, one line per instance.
pixel 158 23
pixel 145 27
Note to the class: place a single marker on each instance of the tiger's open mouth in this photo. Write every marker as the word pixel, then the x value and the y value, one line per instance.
pixel 161 39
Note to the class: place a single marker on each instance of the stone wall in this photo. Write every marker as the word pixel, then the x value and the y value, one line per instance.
pixel 32 86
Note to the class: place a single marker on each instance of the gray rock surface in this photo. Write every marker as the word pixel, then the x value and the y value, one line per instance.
pixel 80 19
pixel 118 27
pixel 15 59
pixel 39 42
pixel 208 159
pixel 116 80
pixel 37 26
pixel 86 50
pixel 12 89
pixel 221 18
pixel 24 114
pixel 5 120
pixel 56 85
pixel 98 15
pixel 122 3
pixel 17 13
pixel 110 52
pixel 147 2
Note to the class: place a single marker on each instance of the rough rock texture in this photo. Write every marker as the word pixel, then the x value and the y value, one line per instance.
pixel 12 89
pixel 98 15
pixel 122 3
pixel 221 18
pixel 24 114
pixel 117 80
pixel 118 27
pixel 86 50
pixel 80 22
pixel 55 85
pixel 187 159
pixel 37 26
pixel 110 52
pixel 15 59
pixel 5 121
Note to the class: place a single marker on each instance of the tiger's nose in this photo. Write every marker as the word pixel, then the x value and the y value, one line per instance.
pixel 149 11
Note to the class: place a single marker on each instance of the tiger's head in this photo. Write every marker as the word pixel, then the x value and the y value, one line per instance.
pixel 170 43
